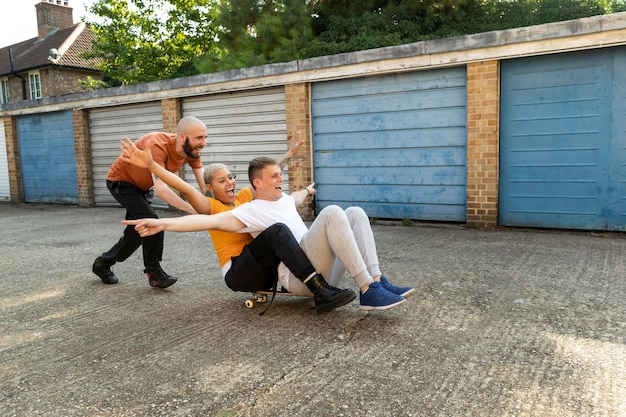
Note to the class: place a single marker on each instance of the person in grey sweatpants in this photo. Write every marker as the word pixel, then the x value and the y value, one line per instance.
pixel 330 228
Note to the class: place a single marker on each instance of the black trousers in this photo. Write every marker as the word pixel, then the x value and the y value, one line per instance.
pixel 138 206
pixel 255 268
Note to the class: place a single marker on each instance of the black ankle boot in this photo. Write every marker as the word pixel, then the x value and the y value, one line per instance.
pixel 326 296
pixel 157 277
pixel 102 269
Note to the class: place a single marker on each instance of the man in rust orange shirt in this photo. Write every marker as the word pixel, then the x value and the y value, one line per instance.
pixel 131 186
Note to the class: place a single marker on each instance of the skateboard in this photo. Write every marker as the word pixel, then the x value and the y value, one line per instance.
pixel 262 296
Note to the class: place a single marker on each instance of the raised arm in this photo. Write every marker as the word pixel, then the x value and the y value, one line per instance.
pixel 295 143
pixel 224 221
pixel 143 159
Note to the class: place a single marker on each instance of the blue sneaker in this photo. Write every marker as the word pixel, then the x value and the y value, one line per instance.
pixel 405 292
pixel 378 298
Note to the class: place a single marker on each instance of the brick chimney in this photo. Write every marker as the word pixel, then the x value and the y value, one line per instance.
pixel 53 14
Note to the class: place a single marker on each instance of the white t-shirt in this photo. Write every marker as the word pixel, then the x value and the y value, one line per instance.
pixel 258 215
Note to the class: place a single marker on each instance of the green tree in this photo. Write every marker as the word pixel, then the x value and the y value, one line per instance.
pixel 506 14
pixel 345 25
pixel 257 32
pixel 147 40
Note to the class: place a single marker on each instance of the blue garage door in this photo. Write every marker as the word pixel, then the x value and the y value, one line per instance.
pixel 394 145
pixel 47 158
pixel 562 141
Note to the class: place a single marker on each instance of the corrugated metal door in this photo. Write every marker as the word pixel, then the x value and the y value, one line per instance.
pixel 47 158
pixel 562 141
pixel 241 126
pixel 394 145
pixel 5 188
pixel 107 126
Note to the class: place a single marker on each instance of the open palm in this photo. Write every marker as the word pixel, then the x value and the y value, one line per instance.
pixel 132 154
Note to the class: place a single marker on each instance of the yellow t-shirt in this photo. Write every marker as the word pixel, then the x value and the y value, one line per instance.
pixel 228 244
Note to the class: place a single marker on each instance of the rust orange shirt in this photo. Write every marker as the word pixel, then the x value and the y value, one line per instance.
pixel 163 148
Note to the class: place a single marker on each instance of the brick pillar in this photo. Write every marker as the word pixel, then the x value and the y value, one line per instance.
pixel 299 119
pixel 16 185
pixel 483 92
pixel 171 113
pixel 82 149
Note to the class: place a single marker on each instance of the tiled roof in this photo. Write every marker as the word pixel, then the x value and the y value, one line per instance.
pixel 33 53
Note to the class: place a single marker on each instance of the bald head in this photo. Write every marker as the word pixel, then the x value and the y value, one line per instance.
pixel 190 137
pixel 188 123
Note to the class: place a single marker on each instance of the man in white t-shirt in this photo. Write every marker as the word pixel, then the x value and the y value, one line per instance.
pixel 338 240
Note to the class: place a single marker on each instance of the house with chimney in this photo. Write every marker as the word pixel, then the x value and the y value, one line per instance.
pixel 50 64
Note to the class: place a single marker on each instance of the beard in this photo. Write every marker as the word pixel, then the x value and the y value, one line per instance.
pixel 189 150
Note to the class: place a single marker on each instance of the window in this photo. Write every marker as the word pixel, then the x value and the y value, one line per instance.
pixel 35 85
pixel 4 90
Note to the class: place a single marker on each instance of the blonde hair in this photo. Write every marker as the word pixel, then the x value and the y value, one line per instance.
pixel 209 172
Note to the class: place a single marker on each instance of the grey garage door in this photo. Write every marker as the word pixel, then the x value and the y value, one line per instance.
pixel 394 144
pixel 563 141
pixel 241 126
pixel 109 125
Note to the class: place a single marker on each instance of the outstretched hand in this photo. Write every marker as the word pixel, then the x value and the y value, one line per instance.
pixel 311 189
pixel 132 154
pixel 295 143
pixel 145 227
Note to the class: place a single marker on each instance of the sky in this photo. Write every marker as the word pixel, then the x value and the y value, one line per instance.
pixel 18 19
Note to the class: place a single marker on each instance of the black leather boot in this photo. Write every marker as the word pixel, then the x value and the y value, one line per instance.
pixel 327 297
pixel 157 277
pixel 102 269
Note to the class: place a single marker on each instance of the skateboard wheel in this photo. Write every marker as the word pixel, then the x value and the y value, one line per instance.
pixel 261 298
pixel 249 303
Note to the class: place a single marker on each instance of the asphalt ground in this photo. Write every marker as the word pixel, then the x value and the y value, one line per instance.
pixel 504 322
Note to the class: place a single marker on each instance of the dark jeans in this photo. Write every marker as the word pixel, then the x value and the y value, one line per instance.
pixel 255 268
pixel 138 206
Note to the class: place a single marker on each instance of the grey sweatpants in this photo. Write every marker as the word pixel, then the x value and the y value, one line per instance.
pixel 340 241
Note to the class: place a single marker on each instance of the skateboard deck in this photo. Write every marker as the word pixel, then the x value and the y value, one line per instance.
pixel 262 297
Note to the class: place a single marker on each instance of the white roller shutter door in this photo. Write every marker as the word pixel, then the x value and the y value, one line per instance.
pixel 241 126
pixel 107 126
pixel 5 189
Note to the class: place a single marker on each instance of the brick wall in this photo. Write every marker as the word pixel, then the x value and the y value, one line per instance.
pixel 82 148
pixel 17 88
pixel 483 83
pixel 171 113
pixel 13 159
pixel 298 119
pixel 54 82
pixel 57 81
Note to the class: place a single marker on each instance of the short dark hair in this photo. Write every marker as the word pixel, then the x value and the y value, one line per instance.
pixel 257 165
